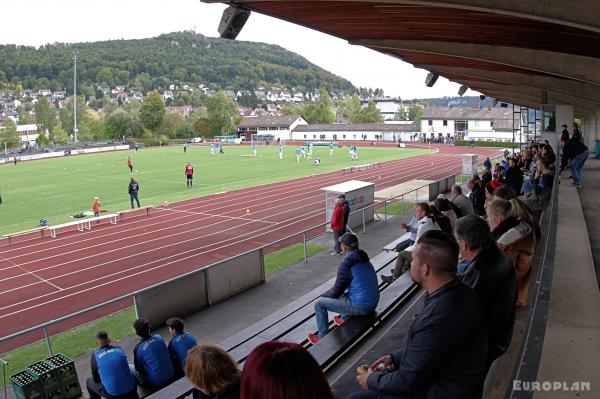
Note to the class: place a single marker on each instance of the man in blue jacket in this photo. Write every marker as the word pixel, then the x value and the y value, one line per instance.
pixel 179 345
pixel 111 376
pixel 151 358
pixel 446 345
pixel 355 292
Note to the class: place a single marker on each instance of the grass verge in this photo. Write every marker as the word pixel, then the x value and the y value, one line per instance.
pixel 286 257
pixel 72 343
pixel 396 208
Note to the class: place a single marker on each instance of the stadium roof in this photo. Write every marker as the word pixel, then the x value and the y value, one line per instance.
pixel 358 127
pixel 526 52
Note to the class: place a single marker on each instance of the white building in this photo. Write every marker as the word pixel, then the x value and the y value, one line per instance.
pixel 493 124
pixel 358 131
pixel 388 107
pixel 28 134
pixel 277 126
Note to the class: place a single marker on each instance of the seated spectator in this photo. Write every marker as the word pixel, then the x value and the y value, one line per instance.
pixel 523 212
pixel 213 372
pixel 442 220
pixel 492 275
pixel 548 153
pixel 179 345
pixel 444 353
pixel 513 176
pixel 424 223
pixel 283 370
pixel 477 196
pixel 442 205
pixel 111 375
pixel 461 201
pixel 541 188
pixel 354 293
pixel 151 358
pixel 515 237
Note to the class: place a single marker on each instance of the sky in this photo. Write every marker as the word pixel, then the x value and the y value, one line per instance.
pixel 37 22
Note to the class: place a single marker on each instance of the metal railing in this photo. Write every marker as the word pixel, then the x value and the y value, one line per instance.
pixel 4 364
pixel 303 234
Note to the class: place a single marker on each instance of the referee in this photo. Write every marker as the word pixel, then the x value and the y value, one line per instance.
pixel 189 174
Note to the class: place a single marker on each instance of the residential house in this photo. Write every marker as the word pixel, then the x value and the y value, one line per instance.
pixel 273 127
pixel 167 94
pixel 28 135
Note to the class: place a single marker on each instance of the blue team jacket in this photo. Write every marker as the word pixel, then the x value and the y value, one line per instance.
pixel 179 347
pixel 153 362
pixel 110 367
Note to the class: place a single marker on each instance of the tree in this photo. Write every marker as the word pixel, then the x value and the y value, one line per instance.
pixel 350 108
pixel 322 111
pixel 60 135
pixel 414 113
pixel 173 126
pixel 65 115
pixel 105 76
pixel 152 111
pixel 42 141
pixel 9 138
pixel 222 112
pixel 369 114
pixel 44 115
pixel 121 124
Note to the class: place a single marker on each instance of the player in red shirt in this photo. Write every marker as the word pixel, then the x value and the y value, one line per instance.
pixel 129 165
pixel 189 174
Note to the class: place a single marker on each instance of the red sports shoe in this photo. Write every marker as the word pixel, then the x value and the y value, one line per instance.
pixel 313 338
pixel 337 319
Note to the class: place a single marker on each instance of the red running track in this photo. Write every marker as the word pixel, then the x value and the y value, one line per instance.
pixel 43 279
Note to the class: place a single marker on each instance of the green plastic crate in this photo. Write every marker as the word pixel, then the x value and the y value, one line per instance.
pixel 49 379
pixel 67 375
pixel 26 385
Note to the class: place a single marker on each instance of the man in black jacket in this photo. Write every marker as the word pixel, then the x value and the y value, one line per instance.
pixel 513 176
pixel 477 196
pixel 445 349
pixel 346 207
pixel 492 275
pixel 576 152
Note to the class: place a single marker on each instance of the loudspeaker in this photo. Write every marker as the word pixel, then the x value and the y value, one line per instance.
pixel 482 97
pixel 503 105
pixel 431 79
pixel 233 20
pixel 462 90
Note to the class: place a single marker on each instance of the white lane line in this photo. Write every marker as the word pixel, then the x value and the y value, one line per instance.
pixel 213 215
pixel 29 273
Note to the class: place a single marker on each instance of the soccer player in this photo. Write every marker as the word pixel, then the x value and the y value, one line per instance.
pixel 180 344
pixel 130 164
pixel 330 149
pixel 151 358
pixel 189 174
pixel 221 149
pixel 254 149
pixel 184 148
pixel 280 151
pixel 350 152
pixel 310 151
pixel 354 153
pixel 317 161
pixel 298 154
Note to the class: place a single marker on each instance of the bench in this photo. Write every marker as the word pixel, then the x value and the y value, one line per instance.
pixel 9 237
pixel 126 211
pixel 84 224
pixel 294 321
pixel 404 240
pixel 366 166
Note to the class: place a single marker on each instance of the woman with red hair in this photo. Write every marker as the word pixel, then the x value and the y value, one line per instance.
pixel 283 370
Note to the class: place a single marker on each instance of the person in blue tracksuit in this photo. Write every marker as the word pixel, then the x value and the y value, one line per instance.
pixel 355 291
pixel 111 376
pixel 180 344
pixel 151 357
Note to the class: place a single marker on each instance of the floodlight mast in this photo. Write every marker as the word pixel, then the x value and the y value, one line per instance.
pixel 75 97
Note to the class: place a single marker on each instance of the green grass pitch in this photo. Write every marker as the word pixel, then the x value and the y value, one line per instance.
pixel 56 189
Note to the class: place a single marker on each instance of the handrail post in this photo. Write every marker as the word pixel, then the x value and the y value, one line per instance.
pixel 305 247
pixel 385 211
pixel 363 221
pixel 402 204
pixel 4 364
pixel 417 195
pixel 48 343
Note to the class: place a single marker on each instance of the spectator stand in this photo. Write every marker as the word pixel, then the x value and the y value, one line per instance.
pixel 294 321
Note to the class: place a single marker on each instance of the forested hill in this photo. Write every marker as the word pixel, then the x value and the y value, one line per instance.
pixel 181 57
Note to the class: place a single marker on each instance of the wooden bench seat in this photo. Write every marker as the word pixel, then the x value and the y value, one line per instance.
pixel 83 224
pixel 403 239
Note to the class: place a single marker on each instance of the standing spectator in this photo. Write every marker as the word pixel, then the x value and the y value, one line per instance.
pixel 213 372
pixel 515 237
pixel 564 136
pixel 15 160
pixel 283 370
pixel 180 344
pixel 461 201
pixel 486 176
pixel 346 207
pixel 477 197
pixel 419 224
pixel 356 275
pixel 487 163
pixel 130 164
pixel 134 187
pixel 506 153
pixel 151 358
pixel 443 356
pixel 96 207
pixel 337 225
pixel 189 174
pixel 513 176
pixel 577 153
pixel 491 274
pixel 576 133
pixel 185 148
pixel 111 375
